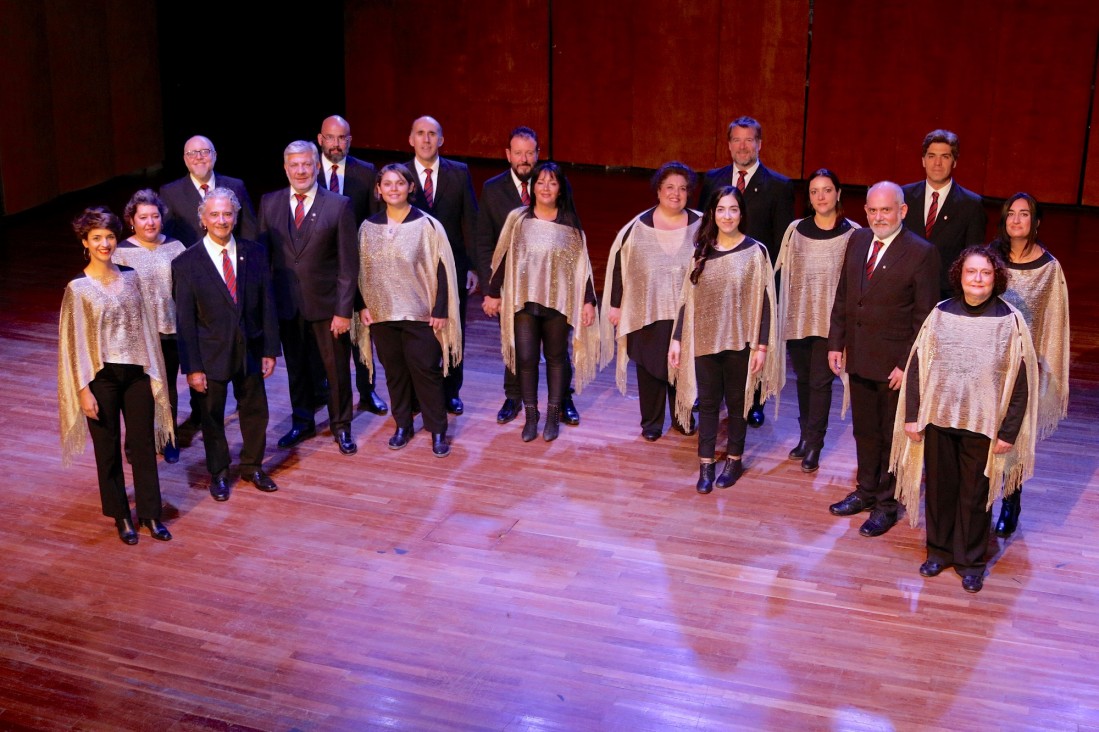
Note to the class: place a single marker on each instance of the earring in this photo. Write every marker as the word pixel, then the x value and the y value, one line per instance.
pixel 87 255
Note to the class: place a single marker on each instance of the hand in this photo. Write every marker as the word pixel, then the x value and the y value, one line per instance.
pixel 339 326
pixel 472 281
pixel 197 381
pixel 895 377
pixel 491 306
pixel 88 405
pixel 614 315
pixel 587 315
pixel 755 365
pixel 1002 447
pixel 364 317
pixel 437 324
pixel 835 362
pixel 913 434
pixel 268 366
pixel 673 354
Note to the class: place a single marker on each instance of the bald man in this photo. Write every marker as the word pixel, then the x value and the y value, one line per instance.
pixel 183 196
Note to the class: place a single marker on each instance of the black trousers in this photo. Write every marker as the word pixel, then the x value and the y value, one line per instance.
pixel 721 376
pixel 648 349
pixel 873 408
pixel 957 492
pixel 413 362
pixel 169 348
pixel 809 357
pixel 452 382
pixel 547 333
pixel 511 382
pixel 335 354
pixel 363 383
pixel 123 391
pixel 251 395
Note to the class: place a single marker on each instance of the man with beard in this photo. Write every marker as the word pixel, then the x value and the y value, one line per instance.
pixel 183 196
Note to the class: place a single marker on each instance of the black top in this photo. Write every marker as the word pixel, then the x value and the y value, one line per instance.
pixel 808 228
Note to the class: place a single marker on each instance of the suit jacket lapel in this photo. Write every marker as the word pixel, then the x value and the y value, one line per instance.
pixel 889 260
pixel 213 274
pixel 946 206
pixel 310 220
pixel 242 277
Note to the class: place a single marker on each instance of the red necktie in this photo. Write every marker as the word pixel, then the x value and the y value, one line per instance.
pixel 525 195
pixel 227 270
pixel 931 212
pixel 873 259
pixel 429 189
pixel 740 181
pixel 299 212
pixel 205 189
pixel 334 181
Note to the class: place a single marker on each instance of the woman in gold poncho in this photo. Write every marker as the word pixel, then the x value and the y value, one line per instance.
pixel 109 366
pixel 810 261
pixel 1037 289
pixel 150 253
pixel 541 287
pixel 410 307
pixel 647 264
pixel 720 345
pixel 967 416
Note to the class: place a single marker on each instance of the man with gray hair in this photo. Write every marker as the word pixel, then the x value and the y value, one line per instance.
pixel 888 285
pixel 310 235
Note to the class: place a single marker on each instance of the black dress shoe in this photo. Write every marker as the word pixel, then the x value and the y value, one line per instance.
pixel 705 482
pixel 931 568
pixel 373 403
pixel 731 473
pixel 401 437
pixel 651 435
pixel 569 415
pixel 260 480
pixel 811 461
pixel 126 531
pixel 688 431
pixel 156 529
pixel 878 523
pixel 509 411
pixel 800 451
pixel 755 417
pixel 219 487
pixel 171 452
pixel 440 448
pixel 850 505
pixel 297 434
pixel 1009 515
pixel 454 406
pixel 973 583
pixel 347 445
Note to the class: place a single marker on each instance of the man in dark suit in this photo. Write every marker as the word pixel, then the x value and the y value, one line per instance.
pixel 183 196
pixel 501 195
pixel 889 283
pixel 341 173
pixel 768 198
pixel 228 334
pixel 445 191
pixel 943 212
pixel 310 236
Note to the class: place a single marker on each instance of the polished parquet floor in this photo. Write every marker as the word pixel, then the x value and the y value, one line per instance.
pixel 579 585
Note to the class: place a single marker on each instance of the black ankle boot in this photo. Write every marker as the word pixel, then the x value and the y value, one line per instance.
pixel 706 477
pixel 731 473
pixel 1009 515
pixel 553 423
pixel 530 429
pixel 800 450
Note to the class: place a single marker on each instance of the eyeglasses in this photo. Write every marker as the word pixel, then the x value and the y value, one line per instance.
pixel 203 153
pixel 329 139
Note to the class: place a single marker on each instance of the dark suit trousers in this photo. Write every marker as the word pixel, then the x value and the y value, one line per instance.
pixel 124 389
pixel 452 382
pixel 873 408
pixel 413 362
pixel 335 354
pixel 363 383
pixel 957 492
pixel 251 396
pixel 721 376
pixel 809 357
pixel 169 347
pixel 648 349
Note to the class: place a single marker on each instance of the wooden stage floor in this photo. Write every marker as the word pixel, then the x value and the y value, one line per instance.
pixel 580 585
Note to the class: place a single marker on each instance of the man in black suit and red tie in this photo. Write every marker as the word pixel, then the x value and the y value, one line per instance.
pixel 183 196
pixel 889 283
pixel 228 334
pixel 310 236
pixel 445 191
pixel 944 213
pixel 768 197
pixel 341 173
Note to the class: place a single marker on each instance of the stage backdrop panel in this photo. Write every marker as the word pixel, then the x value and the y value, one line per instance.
pixel 1091 173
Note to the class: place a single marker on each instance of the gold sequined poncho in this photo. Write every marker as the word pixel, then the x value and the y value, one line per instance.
pixel 967 370
pixel 1041 295
pixel 807 288
pixel 654 263
pixel 154 267
pixel 105 324
pixel 723 312
pixel 399 279
pixel 547 263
